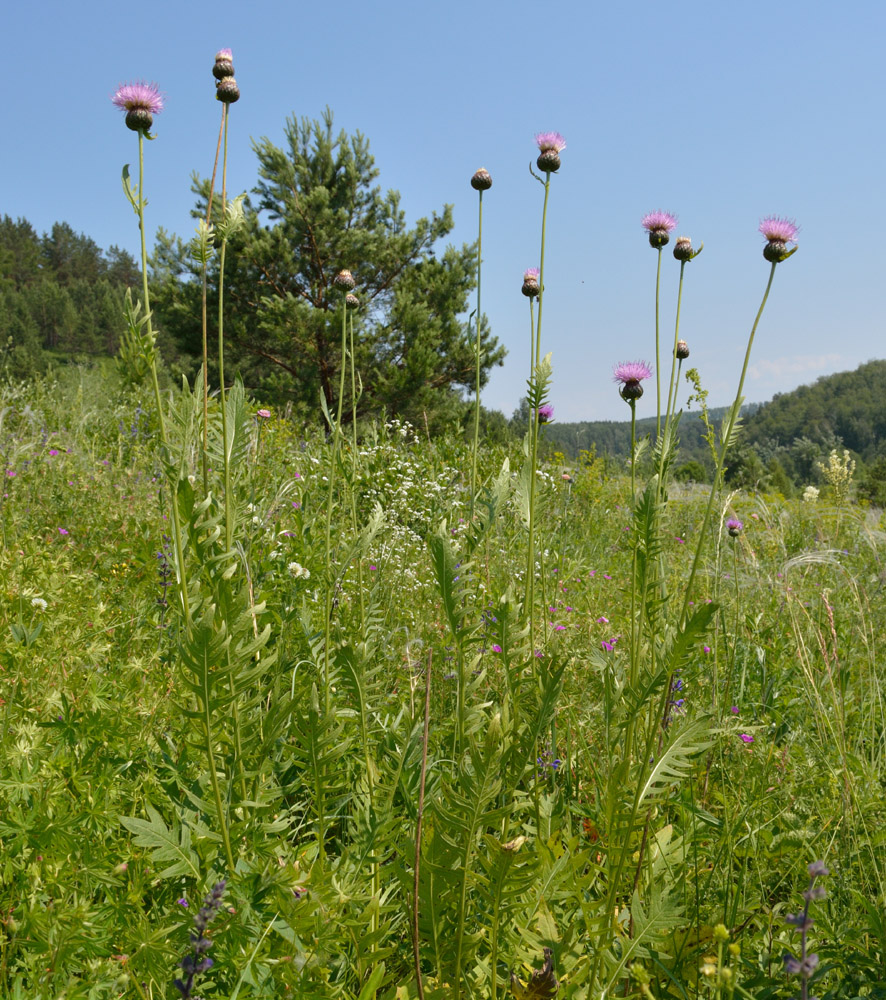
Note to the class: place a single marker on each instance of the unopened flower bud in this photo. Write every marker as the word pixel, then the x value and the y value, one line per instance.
pixel 682 350
pixel 224 65
pixel 530 282
pixel 631 390
pixel 344 280
pixel 351 301
pixel 683 248
pixel 482 180
pixel 139 120
pixel 551 145
pixel 227 91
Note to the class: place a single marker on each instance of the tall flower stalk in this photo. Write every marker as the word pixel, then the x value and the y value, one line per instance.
pixel 227 92
pixel 779 234
pixel 344 282
pixel 141 101
pixel 480 182
pixel 658 225
pixel 550 145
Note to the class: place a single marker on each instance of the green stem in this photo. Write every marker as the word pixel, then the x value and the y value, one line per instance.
pixel 477 387
pixel 657 376
pixel 541 270
pixel 164 438
pixel 671 393
pixel 204 314
pixel 721 458
pixel 336 437
pixel 355 467
pixel 229 527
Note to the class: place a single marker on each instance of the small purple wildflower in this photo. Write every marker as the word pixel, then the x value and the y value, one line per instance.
pixel 496 648
pixel 263 414
pixel 63 531
pixel 182 902
pixel 53 451
pixel 707 649
pixel 602 620
pixel 734 709
pixel 745 738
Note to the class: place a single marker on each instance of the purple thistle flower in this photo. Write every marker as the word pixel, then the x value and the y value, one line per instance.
pixel 551 145
pixel 630 374
pixel 659 225
pixel 779 233
pixel 778 229
pixel 659 222
pixel 141 101
pixel 734 527
pixel 550 141
pixel 545 413
pixel 631 371
pixel 530 282
pixel 225 55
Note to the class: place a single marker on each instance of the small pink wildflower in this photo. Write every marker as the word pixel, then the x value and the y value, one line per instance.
pixel 745 738
pixel 602 620
pixel 550 140
pixel 496 648
pixel 263 414
pixel 734 709
pixel 63 531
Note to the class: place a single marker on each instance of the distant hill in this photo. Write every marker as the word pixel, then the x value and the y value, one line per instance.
pixel 792 431
pixel 613 437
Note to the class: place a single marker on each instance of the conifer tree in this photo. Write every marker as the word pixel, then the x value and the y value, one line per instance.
pixel 314 211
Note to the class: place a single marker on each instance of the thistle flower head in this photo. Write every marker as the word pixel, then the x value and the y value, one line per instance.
pixel 351 301
pixel 781 230
pixel 227 91
pixel 344 281
pixel 629 374
pixel 551 145
pixel 530 282
pixel 734 527
pixel 550 141
pixel 482 180
pixel 224 64
pixel 141 101
pixel 779 233
pixel 659 225
pixel 545 413
pixel 682 351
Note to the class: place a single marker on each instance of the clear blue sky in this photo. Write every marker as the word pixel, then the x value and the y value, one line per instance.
pixel 721 113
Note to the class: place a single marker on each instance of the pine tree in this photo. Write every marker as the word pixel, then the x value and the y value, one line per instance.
pixel 314 211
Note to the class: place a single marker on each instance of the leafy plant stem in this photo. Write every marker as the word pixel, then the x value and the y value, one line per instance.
pixel 355 468
pixel 721 458
pixel 158 399
pixel 336 443
pixel 416 950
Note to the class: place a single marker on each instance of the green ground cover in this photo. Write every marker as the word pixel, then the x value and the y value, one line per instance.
pixel 640 792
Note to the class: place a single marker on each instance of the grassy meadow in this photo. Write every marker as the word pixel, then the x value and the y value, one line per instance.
pixel 314 675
